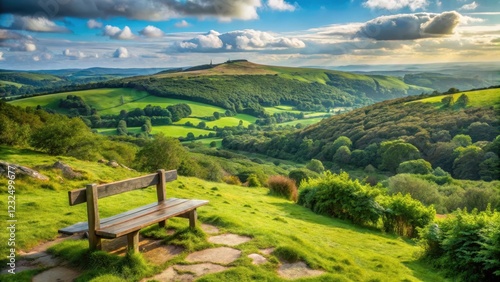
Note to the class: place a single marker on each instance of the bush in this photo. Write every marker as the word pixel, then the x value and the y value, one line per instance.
pixel 419 189
pixel 341 197
pixel 232 180
pixel 403 215
pixel 315 165
pixel 161 153
pixel 253 180
pixel 419 166
pixel 282 186
pixel 467 245
pixel 301 174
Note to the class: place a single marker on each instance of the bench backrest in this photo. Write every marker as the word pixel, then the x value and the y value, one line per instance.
pixel 79 196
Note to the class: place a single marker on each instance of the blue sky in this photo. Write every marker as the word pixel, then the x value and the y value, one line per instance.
pixel 53 34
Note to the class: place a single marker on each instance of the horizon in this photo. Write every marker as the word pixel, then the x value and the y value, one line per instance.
pixel 52 35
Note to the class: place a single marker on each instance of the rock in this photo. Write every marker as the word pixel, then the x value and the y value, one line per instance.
pixel 229 239
pixel 257 259
pixel 222 255
pixel 67 170
pixel 297 270
pixel 59 274
pixel 20 170
pixel 209 229
pixel 113 164
pixel 200 269
pixel 102 161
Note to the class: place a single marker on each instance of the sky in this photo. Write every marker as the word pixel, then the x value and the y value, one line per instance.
pixel 58 34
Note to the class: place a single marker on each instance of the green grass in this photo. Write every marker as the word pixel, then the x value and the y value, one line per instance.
pixel 112 131
pixel 480 98
pixel 206 142
pixel 281 109
pixel 222 122
pixel 308 121
pixel 345 252
pixel 179 131
pixel 3 83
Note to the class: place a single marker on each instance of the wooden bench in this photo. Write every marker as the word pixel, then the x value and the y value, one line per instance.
pixel 129 223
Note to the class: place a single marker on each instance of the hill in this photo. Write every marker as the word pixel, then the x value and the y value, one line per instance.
pixel 240 85
pixel 426 123
pixel 345 252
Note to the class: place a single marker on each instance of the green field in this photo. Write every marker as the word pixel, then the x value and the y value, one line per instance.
pixel 179 131
pixel 3 83
pixel 222 122
pixel 281 109
pixel 480 98
pixel 206 141
pixel 306 122
pixel 345 252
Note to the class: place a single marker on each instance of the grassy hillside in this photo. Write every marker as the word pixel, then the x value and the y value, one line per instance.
pixel 479 98
pixel 345 252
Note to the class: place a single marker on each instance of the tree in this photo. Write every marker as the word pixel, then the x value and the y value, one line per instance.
pixel 202 125
pixel 447 101
pixel 190 136
pixel 213 144
pixel 462 140
pixel 122 128
pixel 462 101
pixel 147 127
pixel 216 115
pixel 343 155
pixel 395 152
pixel 467 164
pixel 489 169
pixel 315 165
pixel 160 153
pixel 419 166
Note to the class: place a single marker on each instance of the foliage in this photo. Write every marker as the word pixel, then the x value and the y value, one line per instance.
pixel 467 163
pixel 462 140
pixel 419 189
pixel 253 180
pixel 466 245
pixel 342 155
pixel 403 215
pixel 282 186
pixel 419 166
pixel 232 179
pixel 393 153
pixel 160 153
pixel 315 165
pixel 300 175
pixel 341 197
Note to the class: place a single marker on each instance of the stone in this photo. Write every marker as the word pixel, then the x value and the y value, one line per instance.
pixel 21 170
pixel 170 275
pixel 59 274
pixel 229 239
pixel 222 255
pixel 297 270
pixel 113 164
pixel 67 171
pixel 267 251
pixel 200 269
pixel 257 259
pixel 209 229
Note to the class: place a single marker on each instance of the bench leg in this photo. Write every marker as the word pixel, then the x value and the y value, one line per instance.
pixel 162 224
pixel 192 218
pixel 133 241
pixel 94 242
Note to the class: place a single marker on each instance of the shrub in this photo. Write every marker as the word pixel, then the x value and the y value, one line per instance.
pixel 419 189
pixel 253 180
pixel 403 214
pixel 282 186
pixel 419 166
pixel 467 245
pixel 301 174
pixel 315 165
pixel 161 153
pixel 232 179
pixel 339 196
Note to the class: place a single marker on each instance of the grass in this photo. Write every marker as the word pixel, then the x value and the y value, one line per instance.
pixel 308 121
pixel 345 252
pixel 179 131
pixel 3 83
pixel 480 98
pixel 222 122
pixel 207 141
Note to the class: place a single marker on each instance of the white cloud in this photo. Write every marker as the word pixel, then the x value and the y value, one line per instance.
pixel 121 53
pixel 74 54
pixel 471 6
pixel 36 58
pixel 396 4
pixel 93 24
pixel 280 5
pixel 182 23
pixel 37 24
pixel 152 31
pixel 240 40
pixel 1 56
pixel 116 33
pixel 24 47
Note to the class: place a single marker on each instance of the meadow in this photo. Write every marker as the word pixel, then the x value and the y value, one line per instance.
pixel 345 252
pixel 479 98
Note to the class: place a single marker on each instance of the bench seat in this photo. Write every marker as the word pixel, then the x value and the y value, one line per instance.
pixel 136 219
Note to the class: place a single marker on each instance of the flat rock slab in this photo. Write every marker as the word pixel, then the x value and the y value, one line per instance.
pixel 59 274
pixel 297 270
pixel 229 239
pixel 267 251
pixel 200 269
pixel 257 259
pixel 162 254
pixel 46 261
pixel 209 229
pixel 170 275
pixel 222 255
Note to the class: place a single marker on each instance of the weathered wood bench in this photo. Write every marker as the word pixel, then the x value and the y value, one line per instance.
pixel 129 223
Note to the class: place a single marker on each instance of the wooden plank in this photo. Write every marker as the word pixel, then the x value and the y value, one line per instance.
pixel 93 217
pixel 141 211
pixel 83 226
pixel 138 223
pixel 105 190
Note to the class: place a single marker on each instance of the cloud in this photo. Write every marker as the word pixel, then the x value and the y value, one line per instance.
pixel 11 35
pixel 74 54
pixel 121 53
pixel 116 33
pixel 24 47
pixel 37 24
pixel 152 31
pixel 410 26
pixel 471 6
pixel 240 40
pixel 182 23
pixel 280 5
pixel 153 10
pixel 93 24
pixel 1 56
pixel 396 4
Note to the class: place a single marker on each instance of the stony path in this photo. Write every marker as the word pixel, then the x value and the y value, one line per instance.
pixel 197 264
